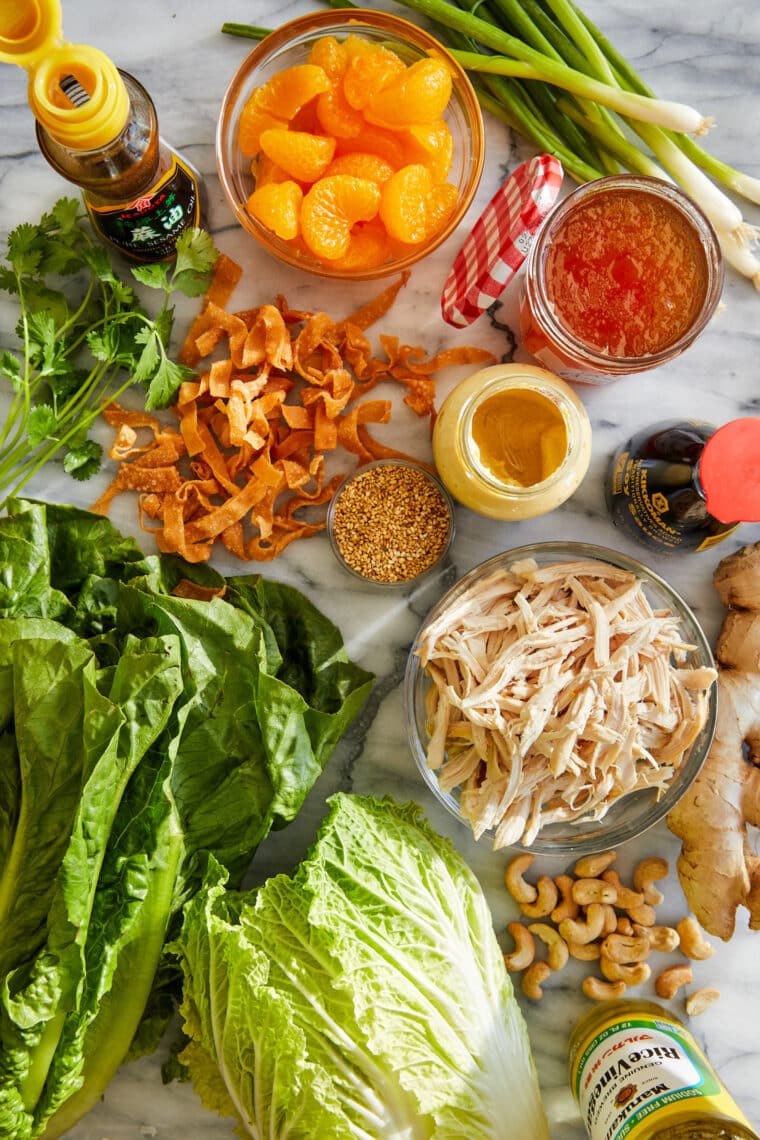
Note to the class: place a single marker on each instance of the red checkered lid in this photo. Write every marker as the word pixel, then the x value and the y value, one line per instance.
pixel 500 239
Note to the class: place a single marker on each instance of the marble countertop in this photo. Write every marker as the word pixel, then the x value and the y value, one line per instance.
pixel 693 51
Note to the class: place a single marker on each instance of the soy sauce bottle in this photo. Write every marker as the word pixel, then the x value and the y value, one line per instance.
pixel 685 485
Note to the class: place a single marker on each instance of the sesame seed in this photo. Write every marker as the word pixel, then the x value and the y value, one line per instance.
pixel 391 523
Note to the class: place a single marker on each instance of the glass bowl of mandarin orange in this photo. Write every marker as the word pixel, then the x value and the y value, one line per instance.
pixel 350 145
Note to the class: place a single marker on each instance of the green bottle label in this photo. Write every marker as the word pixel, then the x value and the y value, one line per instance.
pixel 147 228
pixel 636 1073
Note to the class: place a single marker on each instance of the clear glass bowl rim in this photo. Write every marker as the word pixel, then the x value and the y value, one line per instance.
pixel 335 22
pixel 605 835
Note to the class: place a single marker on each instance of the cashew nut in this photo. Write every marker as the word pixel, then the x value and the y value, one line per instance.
pixel 584 929
pixel 513 877
pixel 558 952
pixel 634 974
pixel 610 919
pixel 644 915
pixel 623 948
pixel 533 978
pixel 568 908
pixel 698 1001
pixel 586 891
pixel 591 866
pixel 663 938
pixel 626 898
pixel 648 872
pixel 598 990
pixel 546 899
pixel 668 983
pixel 584 951
pixel 624 926
pixel 525 948
pixel 693 944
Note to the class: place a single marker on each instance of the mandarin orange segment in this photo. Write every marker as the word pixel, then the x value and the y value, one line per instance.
pixel 367 74
pixel 357 45
pixel 368 247
pixel 265 171
pixel 375 140
pixel 289 90
pixel 331 207
pixel 305 157
pixel 253 120
pixel 403 206
pixel 361 165
pixel 330 55
pixel 440 205
pixel 306 119
pixel 420 95
pixel 432 144
pixel 336 116
pixel 278 207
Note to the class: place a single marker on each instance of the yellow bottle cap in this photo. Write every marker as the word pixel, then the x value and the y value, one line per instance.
pixel 28 28
pixel 75 92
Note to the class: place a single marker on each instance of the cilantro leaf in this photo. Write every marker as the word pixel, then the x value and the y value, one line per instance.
pixel 163 324
pixel 165 383
pixel 195 251
pixel 24 253
pixel 196 254
pixel 149 357
pixel 41 424
pixel 154 276
pixel 66 213
pixel 83 460
pixel 65 383
pixel 38 298
pixel 10 367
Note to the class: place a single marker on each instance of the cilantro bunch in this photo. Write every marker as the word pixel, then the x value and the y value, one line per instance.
pixel 83 339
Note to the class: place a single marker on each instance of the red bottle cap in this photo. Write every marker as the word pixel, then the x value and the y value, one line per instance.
pixel 500 239
pixel 729 471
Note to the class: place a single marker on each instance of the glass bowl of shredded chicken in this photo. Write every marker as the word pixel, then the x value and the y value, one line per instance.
pixel 560 697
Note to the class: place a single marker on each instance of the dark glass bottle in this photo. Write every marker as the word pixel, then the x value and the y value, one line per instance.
pixel 660 490
pixel 97 127
pixel 140 193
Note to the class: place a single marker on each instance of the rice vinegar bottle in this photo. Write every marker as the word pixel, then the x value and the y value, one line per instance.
pixel 638 1074
pixel 97 127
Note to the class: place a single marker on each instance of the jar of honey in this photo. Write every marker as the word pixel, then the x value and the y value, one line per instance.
pixel 512 441
pixel 624 274
pixel 637 1072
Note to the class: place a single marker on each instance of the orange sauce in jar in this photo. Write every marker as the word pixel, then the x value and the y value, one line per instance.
pixel 626 273
pixel 623 276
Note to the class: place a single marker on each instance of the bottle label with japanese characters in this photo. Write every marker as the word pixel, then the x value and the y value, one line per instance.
pixel 147 228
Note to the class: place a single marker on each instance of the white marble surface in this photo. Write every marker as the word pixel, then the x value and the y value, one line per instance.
pixel 689 49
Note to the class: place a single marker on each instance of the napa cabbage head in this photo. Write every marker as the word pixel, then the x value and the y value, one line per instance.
pixel 365 997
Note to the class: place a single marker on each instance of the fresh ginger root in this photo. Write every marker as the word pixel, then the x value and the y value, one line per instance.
pixel 718 866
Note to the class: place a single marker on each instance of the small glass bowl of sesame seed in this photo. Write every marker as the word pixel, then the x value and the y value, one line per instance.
pixel 391 522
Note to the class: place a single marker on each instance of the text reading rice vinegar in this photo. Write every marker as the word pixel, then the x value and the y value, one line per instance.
pixel 638 1074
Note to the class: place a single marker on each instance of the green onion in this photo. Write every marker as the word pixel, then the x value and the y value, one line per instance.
pixel 248 31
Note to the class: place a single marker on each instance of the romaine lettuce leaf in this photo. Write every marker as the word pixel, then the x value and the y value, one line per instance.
pixel 142 734
pixel 365 996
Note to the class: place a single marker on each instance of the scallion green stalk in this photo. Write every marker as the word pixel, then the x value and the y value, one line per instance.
pixel 677 116
pixel 660 112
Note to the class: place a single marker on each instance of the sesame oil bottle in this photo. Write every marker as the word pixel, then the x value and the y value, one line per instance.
pixel 97 127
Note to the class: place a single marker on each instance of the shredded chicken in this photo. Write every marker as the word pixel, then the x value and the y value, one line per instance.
pixel 555 691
